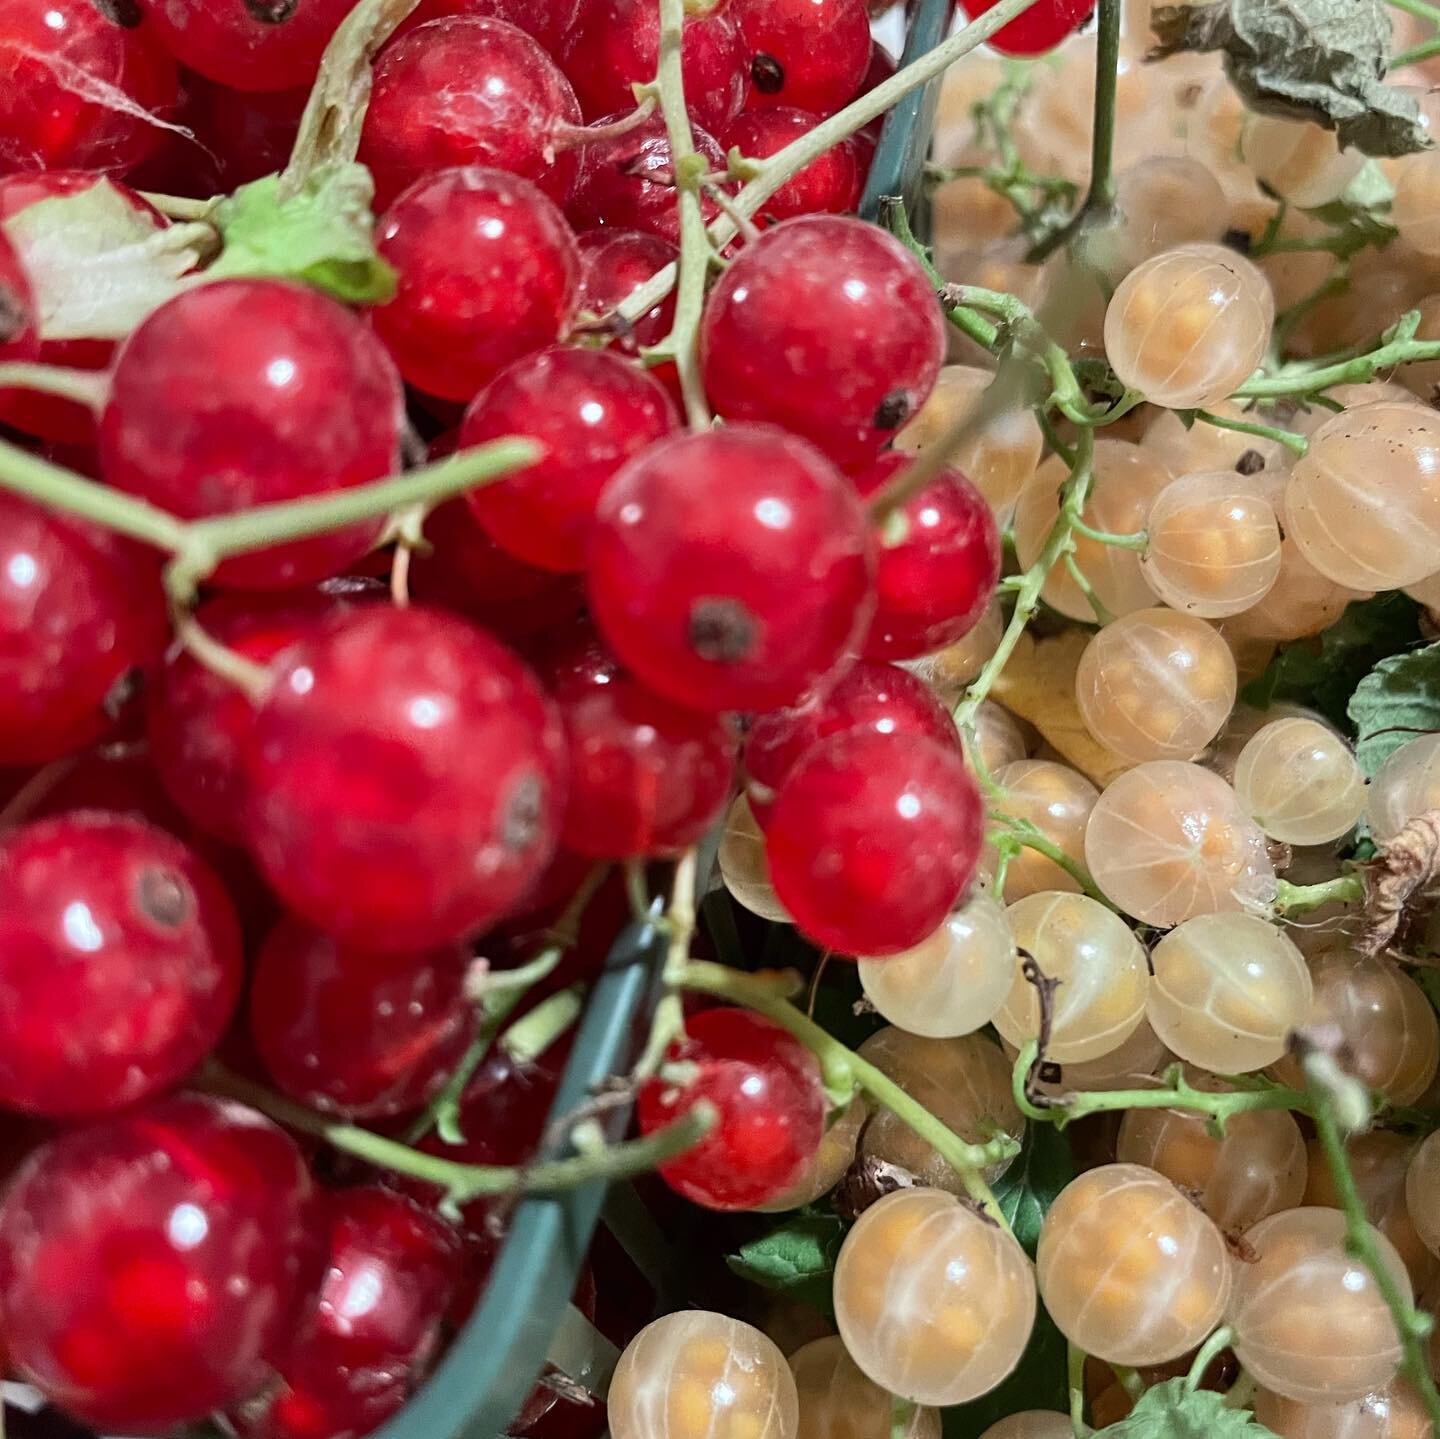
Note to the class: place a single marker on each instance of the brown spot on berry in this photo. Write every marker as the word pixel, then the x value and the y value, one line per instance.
pixel 722 630
pixel 1250 463
pixel 768 74
pixel 119 12
pixel 271 12
pixel 893 410
pixel 522 815
pixel 163 897
pixel 14 315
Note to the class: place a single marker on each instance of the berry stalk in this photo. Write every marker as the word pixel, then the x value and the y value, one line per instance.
pixel 1293 899
pixel 1398 348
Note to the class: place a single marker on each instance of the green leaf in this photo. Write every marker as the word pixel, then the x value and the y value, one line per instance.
pixel 1324 676
pixel 322 236
pixel 1317 60
pixel 1038 1382
pixel 97 265
pixel 1399 700
pixel 1028 1188
pixel 1171 1411
pixel 797 1259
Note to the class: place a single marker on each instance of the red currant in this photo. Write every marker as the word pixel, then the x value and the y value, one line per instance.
pixel 360 1034
pixel 810 54
pixel 150 1265
pixel 614 263
pixel 731 569
pixel 469 91
pixel 828 184
pixel 368 812
pixel 390 1271
pixel 467 573
pixel 119 963
pixel 548 21
pixel 647 777
pixel 628 181
pixel 873 839
pixel 591 411
pixel 939 563
pixel 1040 28
pixel 874 697
pixel 80 609
pixel 248 44
pixel 488 272
pixel 855 316
pixel 616 46
pixel 299 399
pixel 766 1088
pixel 87 85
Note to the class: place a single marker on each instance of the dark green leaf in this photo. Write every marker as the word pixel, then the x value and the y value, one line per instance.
pixel 322 236
pixel 1171 1411
pixel 1324 674
pixel 797 1259
pixel 1317 60
pixel 1028 1188
pixel 1399 700
pixel 1038 1382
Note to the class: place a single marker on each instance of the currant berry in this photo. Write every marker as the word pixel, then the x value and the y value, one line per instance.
pixel 804 54
pixel 1057 800
pixel 743 866
pixel 616 45
pixel 590 411
pixel 836 1397
pixel 548 21
pixel 177 1232
pixel 248 44
pixel 730 569
pixel 939 563
pixel 89 86
pixel 1300 782
pixel 935 1302
pixel 766 1090
pixel 829 184
pixel 873 840
pixel 390 1272
pixel 488 272
pixel 696 1373
pixel 627 181
pixel 299 399
pixel 1405 786
pixel 1394 1412
pixel 1040 28
pixel 355 1033
pixel 647 777
pixel 869 696
pixel 855 312
pixel 119 961
pixel 613 264
pixel 367 811
pixel 469 91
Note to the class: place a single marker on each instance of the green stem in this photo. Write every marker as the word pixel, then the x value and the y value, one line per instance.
pixel 1027 598
pixel 62 489
pixel 1411 1325
pixel 1075 1383
pixel 1298 380
pixel 689 170
pixel 1176 1093
pixel 767 996
pixel 527 1039
pixel 1026 834
pixel 464 1182
pixel 249 678
pixel 89 388
pixel 1292 899
pixel 1426 50
pixel 1420 9
pixel 1138 541
pixel 1296 443
pixel 902 1411
pixel 1220 1340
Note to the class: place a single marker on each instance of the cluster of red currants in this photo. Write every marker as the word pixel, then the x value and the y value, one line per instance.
pixel 596 635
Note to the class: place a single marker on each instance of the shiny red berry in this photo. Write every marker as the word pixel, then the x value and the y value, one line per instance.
pixel 406 779
pixel 856 318
pixel 488 272
pixel 88 85
pixel 548 21
pixel 590 411
pixel 765 1087
pixel 390 1270
pixel 248 44
pixel 628 181
pixel 614 263
pixel 80 611
pixel 873 839
pixel 356 1033
pixel 151 1264
pixel 1040 28
pixel 880 698
pixel 647 777
pixel 731 569
pixel 939 563
pixel 469 91
pixel 810 54
pixel 829 184
pixel 119 964
pixel 299 399
pixel 616 46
